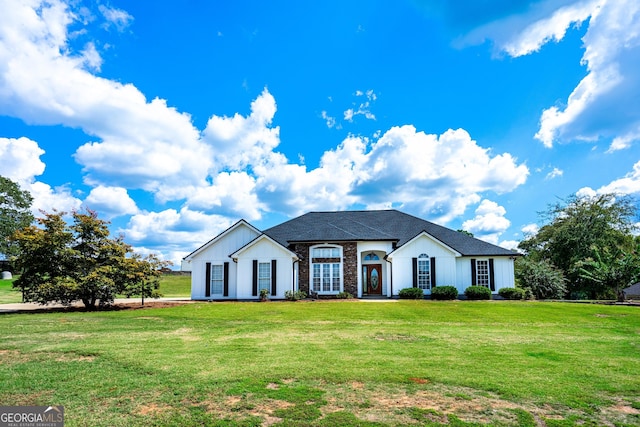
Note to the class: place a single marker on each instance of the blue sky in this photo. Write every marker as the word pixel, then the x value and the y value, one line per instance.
pixel 174 121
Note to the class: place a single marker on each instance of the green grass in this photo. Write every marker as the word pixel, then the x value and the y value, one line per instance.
pixel 170 286
pixel 8 295
pixel 329 363
pixel 175 286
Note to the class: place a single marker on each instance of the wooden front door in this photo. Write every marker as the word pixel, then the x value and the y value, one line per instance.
pixel 373 279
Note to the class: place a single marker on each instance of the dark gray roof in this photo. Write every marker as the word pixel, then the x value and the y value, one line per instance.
pixel 633 289
pixel 385 225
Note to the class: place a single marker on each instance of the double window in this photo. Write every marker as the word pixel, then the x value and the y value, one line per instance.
pixel 326 269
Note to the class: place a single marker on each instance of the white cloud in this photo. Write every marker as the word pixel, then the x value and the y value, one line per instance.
pixel 555 173
pixel 146 145
pixel 629 184
pixel 21 163
pixel 489 222
pixel 111 201
pixel 116 17
pixel 363 108
pixel 331 121
pixel 530 229
pixel 606 103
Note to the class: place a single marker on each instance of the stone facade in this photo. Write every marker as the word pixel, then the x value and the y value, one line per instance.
pixel 349 266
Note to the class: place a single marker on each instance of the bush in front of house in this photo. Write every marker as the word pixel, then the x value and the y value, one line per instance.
pixel 344 295
pixel 411 293
pixel 477 292
pixel 294 296
pixel 511 293
pixel 444 293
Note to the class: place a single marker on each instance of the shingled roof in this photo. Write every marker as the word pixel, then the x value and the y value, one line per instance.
pixel 376 225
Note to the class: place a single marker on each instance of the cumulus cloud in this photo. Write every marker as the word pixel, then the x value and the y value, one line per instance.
pixel 110 201
pixel 530 229
pixel 21 163
pixel 143 144
pixel 606 102
pixel 627 185
pixel 489 222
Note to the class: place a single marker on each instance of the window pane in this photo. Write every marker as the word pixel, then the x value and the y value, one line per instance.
pixel 216 279
pixel 336 277
pixel 326 274
pixel 316 278
pixel 482 273
pixel 424 274
pixel 264 275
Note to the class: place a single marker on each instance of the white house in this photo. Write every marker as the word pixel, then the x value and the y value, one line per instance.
pixel 365 253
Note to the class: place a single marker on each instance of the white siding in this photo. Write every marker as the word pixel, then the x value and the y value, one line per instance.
pixel 502 272
pixel 218 253
pixel 403 267
pixel 264 250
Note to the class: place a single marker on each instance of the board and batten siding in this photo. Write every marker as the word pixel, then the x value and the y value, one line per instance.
pixel 218 253
pixel 402 262
pixel 264 251
pixel 502 272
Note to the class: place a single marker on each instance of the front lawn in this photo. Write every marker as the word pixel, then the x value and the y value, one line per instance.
pixel 8 295
pixel 329 363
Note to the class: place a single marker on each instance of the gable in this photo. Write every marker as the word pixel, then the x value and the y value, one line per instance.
pixel 263 247
pixel 230 240
pixel 424 243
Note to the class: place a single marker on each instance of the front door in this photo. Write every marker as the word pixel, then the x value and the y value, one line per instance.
pixel 373 279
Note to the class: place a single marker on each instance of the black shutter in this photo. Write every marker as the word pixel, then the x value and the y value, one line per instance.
pixel 492 279
pixel 274 274
pixel 225 280
pixel 414 265
pixel 207 280
pixel 473 272
pixel 433 272
pixel 254 280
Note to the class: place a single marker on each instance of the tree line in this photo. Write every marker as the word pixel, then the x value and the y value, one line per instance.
pixel 586 248
pixel 66 262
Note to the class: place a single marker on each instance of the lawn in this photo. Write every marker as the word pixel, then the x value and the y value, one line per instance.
pixel 329 364
pixel 170 286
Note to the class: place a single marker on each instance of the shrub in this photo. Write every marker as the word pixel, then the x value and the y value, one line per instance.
pixel 264 294
pixel 542 278
pixel 511 293
pixel 294 296
pixel 411 293
pixel 477 292
pixel 344 295
pixel 444 293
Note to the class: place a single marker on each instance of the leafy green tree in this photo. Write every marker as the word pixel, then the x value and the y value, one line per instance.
pixel 78 262
pixel 611 270
pixel 574 227
pixel 540 277
pixel 15 213
pixel 143 276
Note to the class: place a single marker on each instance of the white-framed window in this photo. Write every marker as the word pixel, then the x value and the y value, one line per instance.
pixel 217 278
pixel 326 269
pixel 482 272
pixel 424 272
pixel 264 276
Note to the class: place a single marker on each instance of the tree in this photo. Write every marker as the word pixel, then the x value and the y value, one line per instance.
pixel 540 277
pixel 15 213
pixel 611 270
pixel 78 262
pixel 577 225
